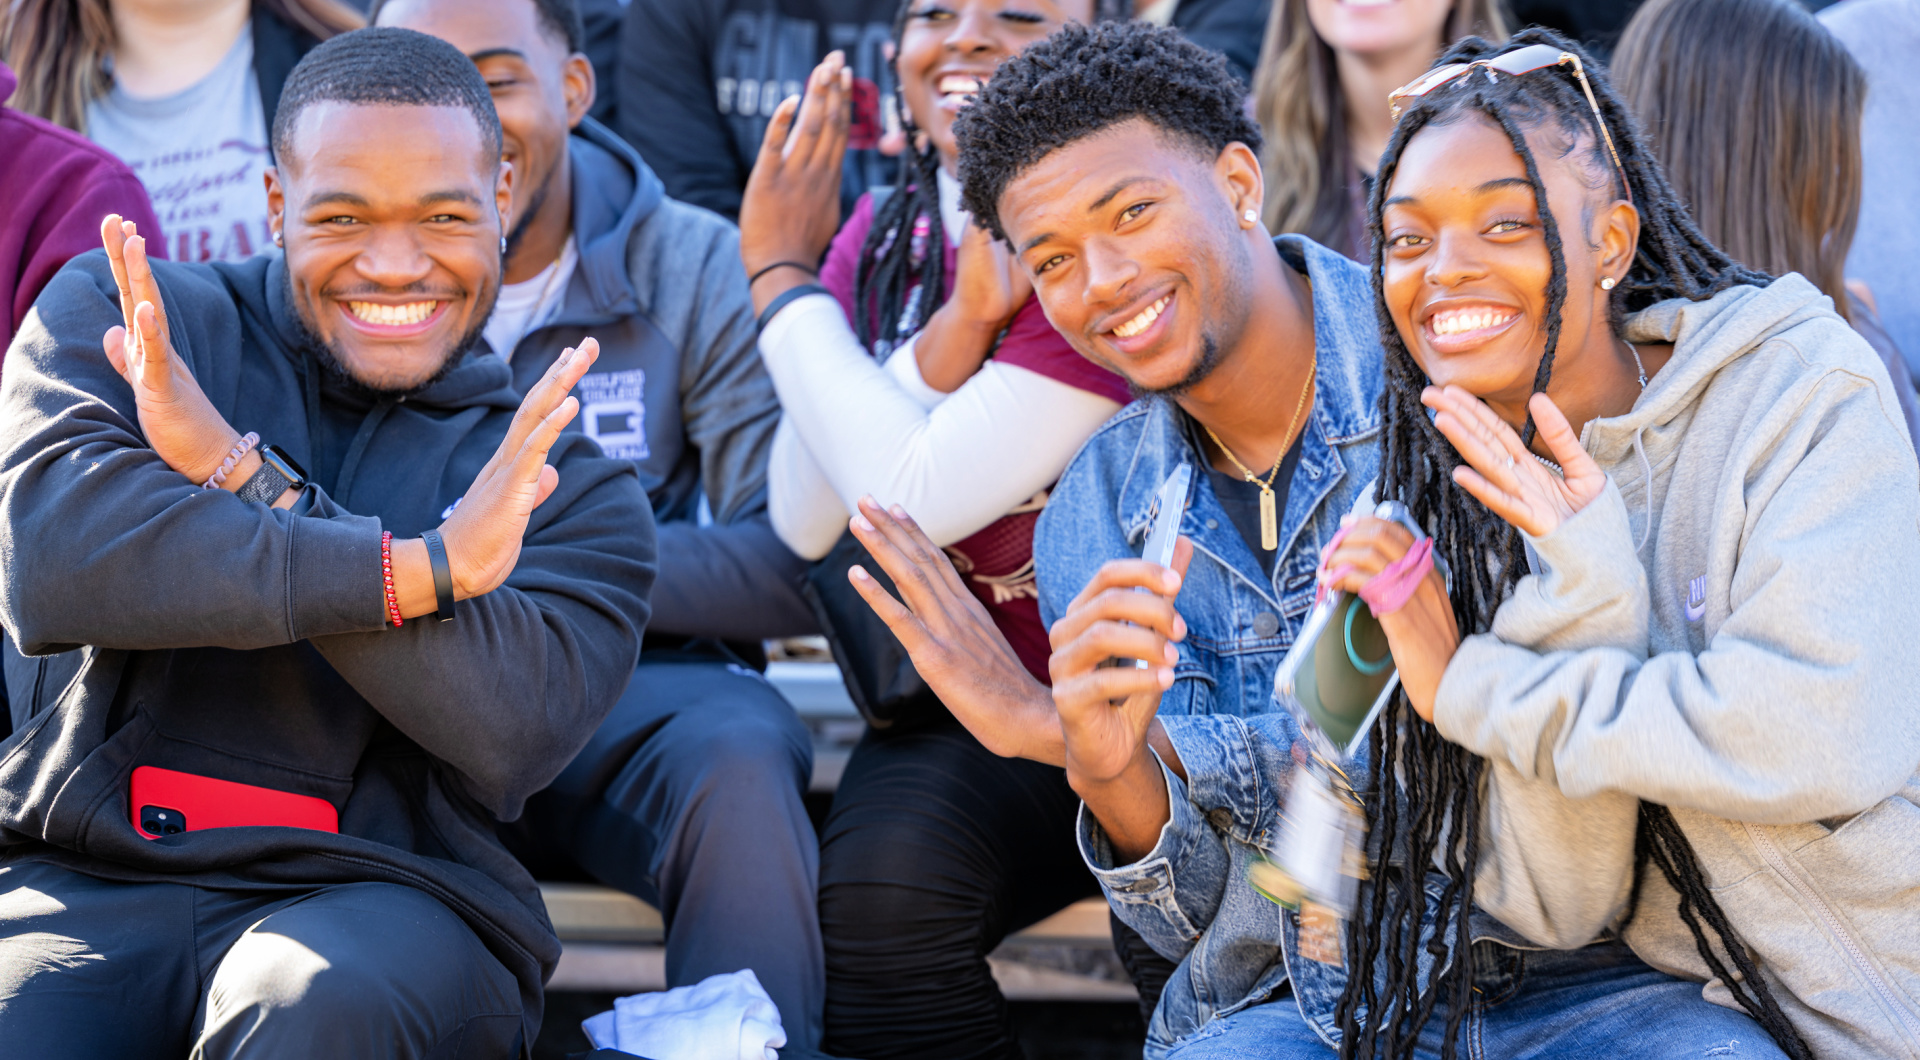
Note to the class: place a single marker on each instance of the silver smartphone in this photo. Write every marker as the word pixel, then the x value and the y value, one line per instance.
pixel 1168 505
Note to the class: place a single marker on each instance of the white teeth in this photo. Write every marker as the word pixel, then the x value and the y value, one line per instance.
pixel 1139 323
pixel 1460 321
pixel 960 84
pixel 392 315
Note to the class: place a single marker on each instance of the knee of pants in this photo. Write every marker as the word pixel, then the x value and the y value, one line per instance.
pixel 895 884
pixel 751 744
pixel 372 961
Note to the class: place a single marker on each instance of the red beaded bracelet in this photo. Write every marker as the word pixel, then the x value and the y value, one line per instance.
pixel 386 575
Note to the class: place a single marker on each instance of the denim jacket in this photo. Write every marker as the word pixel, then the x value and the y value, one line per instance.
pixel 1188 897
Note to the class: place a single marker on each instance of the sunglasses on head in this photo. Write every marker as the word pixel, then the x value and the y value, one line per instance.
pixel 1514 63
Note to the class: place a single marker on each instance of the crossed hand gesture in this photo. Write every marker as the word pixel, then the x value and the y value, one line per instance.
pixel 484 533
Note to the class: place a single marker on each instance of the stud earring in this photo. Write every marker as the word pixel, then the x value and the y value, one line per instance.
pixel 1607 284
pixel 1252 218
pixel 279 240
pixel 503 246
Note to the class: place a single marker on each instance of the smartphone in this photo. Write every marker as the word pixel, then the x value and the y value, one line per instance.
pixel 1168 505
pixel 166 802
pixel 1340 674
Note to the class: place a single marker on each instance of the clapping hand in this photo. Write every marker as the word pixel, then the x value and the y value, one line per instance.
pixel 791 207
pixel 180 424
pixel 1504 474
pixel 989 287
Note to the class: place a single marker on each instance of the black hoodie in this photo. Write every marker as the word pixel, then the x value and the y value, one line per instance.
pixel 166 625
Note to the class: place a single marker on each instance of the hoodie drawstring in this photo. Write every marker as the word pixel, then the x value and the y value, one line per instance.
pixel 1646 472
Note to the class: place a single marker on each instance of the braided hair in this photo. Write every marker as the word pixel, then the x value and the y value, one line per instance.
pixel 1444 783
pixel 901 277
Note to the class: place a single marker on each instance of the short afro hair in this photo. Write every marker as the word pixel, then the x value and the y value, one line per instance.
pixel 386 67
pixel 560 19
pixel 1085 79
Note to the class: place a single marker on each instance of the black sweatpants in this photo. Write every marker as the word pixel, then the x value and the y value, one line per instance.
pixel 94 969
pixel 936 849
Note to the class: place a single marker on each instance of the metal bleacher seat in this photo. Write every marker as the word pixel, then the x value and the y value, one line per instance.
pixel 613 942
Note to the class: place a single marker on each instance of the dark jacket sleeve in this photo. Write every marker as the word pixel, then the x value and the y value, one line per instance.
pixel 509 691
pixel 735 581
pixel 124 552
pixel 672 116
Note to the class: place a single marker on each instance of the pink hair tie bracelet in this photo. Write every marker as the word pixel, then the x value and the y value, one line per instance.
pixel 1390 590
pixel 240 449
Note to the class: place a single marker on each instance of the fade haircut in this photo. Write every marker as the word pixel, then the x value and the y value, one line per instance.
pixel 1434 816
pixel 1083 80
pixel 386 67
pixel 559 19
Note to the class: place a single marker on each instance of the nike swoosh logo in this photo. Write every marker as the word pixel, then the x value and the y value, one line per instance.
pixel 1697 599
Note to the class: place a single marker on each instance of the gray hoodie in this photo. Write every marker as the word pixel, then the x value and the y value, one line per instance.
pixel 1743 655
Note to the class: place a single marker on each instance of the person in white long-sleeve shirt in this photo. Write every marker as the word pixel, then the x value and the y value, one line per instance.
pixel 920 371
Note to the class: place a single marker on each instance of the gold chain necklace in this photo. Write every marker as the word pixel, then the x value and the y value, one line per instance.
pixel 1269 519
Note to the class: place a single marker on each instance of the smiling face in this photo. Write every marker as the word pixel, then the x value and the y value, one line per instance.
pixel 948 49
pixel 1374 27
pixel 1466 265
pixel 1136 250
pixel 540 89
pixel 391 216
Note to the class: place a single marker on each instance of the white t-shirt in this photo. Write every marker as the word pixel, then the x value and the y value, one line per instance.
pixel 202 155
pixel 530 303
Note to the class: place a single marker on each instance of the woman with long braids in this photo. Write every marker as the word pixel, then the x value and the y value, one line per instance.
pixel 1674 497
pixel 921 371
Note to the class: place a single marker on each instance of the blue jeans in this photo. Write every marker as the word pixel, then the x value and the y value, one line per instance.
pixel 1596 1003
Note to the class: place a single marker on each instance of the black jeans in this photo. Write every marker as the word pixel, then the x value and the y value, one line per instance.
pixel 94 969
pixel 935 850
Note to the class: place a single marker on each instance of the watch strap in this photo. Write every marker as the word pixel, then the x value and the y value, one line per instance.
pixel 266 485
pixel 442 575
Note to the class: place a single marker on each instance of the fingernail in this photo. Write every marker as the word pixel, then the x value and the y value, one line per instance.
pixel 897 512
pixel 1171 654
pixel 1171 580
pixel 1166 678
pixel 857 574
pixel 566 355
pixel 1179 628
pixel 860 522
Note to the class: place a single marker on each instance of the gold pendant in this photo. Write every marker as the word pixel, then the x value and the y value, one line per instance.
pixel 1269 525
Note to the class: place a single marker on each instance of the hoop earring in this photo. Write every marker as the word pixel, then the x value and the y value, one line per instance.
pixel 1607 283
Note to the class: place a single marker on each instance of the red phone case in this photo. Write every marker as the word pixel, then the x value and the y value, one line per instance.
pixel 205 802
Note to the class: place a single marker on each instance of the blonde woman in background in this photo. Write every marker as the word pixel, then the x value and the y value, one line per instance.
pixel 1320 96
pixel 182 90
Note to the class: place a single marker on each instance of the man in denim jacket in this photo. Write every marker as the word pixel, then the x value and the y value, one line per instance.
pixel 1130 209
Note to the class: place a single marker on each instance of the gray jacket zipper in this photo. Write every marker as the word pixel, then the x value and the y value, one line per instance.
pixel 1802 887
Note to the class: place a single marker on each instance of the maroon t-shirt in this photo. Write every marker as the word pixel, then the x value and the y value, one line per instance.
pixel 56 186
pixel 997 562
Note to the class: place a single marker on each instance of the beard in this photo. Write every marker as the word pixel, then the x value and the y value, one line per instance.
pixel 334 365
pixel 1202 368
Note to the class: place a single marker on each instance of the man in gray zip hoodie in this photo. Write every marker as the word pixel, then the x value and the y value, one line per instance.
pixel 201 628
pixel 689 794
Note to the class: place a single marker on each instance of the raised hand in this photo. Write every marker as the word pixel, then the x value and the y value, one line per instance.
pixel 989 287
pixel 1105 710
pixel 958 650
pixel 1504 474
pixel 791 208
pixel 1423 633
pixel 180 424
pixel 484 533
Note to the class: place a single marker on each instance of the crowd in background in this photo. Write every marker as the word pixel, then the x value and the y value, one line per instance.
pixel 759 217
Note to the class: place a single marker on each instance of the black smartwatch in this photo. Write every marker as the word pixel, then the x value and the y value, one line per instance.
pixel 278 473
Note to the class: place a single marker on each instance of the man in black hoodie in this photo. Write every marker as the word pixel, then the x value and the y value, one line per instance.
pixel 201 628
pixel 690 793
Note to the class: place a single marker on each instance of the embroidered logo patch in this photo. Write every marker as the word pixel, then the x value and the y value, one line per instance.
pixel 613 413
pixel 1697 599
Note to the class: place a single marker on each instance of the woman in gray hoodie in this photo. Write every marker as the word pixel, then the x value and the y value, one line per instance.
pixel 1685 545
